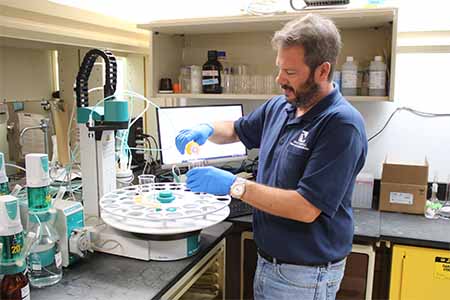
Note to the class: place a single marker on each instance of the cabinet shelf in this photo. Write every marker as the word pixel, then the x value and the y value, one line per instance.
pixel 259 97
pixel 246 40
pixel 344 18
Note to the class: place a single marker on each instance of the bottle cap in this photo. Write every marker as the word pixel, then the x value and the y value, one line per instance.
pixel 3 177
pixel 221 53
pixel 212 54
pixel 378 58
pixel 9 216
pixel 37 170
pixel 349 58
pixel 434 187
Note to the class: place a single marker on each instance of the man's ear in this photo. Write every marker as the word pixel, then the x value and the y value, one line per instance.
pixel 322 72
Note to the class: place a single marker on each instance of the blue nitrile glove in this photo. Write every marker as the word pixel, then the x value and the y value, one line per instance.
pixel 210 180
pixel 199 134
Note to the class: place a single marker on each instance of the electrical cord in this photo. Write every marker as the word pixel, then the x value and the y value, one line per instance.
pixel 413 111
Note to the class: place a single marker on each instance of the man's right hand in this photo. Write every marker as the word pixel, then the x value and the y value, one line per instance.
pixel 199 134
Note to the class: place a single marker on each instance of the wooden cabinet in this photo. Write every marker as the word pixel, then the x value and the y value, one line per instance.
pixel 247 40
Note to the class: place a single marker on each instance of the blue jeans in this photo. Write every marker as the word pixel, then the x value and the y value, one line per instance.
pixel 285 281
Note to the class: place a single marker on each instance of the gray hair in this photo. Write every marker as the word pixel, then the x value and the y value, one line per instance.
pixel 317 35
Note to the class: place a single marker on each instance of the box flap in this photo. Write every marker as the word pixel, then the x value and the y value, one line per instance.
pixel 406 174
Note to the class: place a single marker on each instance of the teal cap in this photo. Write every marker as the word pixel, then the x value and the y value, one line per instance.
pixel 165 197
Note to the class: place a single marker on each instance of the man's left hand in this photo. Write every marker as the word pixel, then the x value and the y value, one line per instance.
pixel 210 180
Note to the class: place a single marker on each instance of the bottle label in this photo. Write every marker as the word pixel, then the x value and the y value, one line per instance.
pixel 25 292
pixel 210 73
pixel 210 81
pixel 377 80
pixel 58 259
pixel 349 79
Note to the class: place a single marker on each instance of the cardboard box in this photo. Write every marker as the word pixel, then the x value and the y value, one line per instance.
pixel 404 188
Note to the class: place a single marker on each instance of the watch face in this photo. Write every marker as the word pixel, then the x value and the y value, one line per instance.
pixel 239 189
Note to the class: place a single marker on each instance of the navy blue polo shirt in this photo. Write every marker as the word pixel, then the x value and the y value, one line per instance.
pixel 319 155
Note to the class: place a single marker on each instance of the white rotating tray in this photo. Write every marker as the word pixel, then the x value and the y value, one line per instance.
pixel 136 209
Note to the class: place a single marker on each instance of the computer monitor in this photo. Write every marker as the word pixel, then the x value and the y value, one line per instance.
pixel 173 119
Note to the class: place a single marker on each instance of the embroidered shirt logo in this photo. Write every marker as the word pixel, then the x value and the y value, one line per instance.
pixel 300 142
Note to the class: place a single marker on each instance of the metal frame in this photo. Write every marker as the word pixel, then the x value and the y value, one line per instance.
pixel 182 285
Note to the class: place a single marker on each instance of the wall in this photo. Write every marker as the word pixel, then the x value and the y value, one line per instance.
pixel 25 74
pixel 420 84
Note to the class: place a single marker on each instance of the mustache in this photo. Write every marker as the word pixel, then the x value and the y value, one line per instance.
pixel 287 87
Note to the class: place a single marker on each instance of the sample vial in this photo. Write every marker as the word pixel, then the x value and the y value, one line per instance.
pixel 192 148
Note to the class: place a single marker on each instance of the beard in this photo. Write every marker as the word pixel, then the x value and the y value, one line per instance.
pixel 305 94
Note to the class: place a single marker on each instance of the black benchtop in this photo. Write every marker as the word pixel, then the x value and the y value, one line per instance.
pixel 104 276
pixel 372 224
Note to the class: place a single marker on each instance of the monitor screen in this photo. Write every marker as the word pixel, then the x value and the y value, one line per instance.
pixel 173 119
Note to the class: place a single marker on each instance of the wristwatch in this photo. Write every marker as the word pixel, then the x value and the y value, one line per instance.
pixel 237 189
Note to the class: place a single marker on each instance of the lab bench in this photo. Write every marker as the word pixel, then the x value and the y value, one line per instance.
pixel 104 276
pixel 375 233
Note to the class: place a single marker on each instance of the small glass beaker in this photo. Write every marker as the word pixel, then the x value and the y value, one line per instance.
pixel 196 79
pixel 185 80
pixel 147 185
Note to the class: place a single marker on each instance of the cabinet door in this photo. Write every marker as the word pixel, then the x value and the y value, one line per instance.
pixel 419 273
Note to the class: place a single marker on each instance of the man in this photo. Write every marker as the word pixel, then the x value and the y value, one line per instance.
pixel 312 144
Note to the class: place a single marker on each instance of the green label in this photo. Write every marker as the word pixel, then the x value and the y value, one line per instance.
pixel 1 161
pixel 4 189
pixel 12 247
pixel 43 258
pixel 44 163
pixel 11 208
pixel 193 244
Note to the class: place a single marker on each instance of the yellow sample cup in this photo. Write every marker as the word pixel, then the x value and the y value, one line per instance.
pixel 192 148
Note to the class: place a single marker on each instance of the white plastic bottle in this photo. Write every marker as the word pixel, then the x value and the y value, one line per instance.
pixel 349 77
pixel 377 77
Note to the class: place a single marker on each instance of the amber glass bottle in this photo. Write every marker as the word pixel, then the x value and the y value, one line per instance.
pixel 15 287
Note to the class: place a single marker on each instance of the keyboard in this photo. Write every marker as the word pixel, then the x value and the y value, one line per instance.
pixel 239 208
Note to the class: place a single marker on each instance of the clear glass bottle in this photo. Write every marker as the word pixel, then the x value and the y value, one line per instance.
pixel 185 80
pixel 432 205
pixel 44 260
